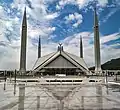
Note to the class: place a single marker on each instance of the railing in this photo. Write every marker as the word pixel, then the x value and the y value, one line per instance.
pixel 105 72
pixel 14 74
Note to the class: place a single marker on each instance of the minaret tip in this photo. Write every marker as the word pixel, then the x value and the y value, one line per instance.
pixel 80 37
pixel 39 47
pixel 81 47
pixel 25 11
pixel 25 8
pixel 95 17
pixel 24 17
pixel 95 8
pixel 39 37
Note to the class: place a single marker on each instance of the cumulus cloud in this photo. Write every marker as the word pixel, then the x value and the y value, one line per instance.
pixel 77 23
pixel 80 3
pixel 10 31
pixel 71 44
pixel 39 23
pixel 74 17
pixel 42 31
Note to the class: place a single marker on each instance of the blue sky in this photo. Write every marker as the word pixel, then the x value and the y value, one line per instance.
pixel 58 21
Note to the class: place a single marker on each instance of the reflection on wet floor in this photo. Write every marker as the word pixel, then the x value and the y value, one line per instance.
pixel 59 97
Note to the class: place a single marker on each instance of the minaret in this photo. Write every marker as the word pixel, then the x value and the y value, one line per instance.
pixel 23 44
pixel 81 47
pixel 39 47
pixel 97 44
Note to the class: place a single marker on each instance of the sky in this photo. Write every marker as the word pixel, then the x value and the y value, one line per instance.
pixel 58 21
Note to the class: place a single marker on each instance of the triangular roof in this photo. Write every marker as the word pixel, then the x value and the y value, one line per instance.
pixel 42 60
pixel 60 62
pixel 78 62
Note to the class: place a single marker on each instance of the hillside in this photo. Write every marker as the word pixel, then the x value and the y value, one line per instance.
pixel 113 64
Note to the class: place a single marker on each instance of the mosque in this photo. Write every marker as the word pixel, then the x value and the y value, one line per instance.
pixel 60 62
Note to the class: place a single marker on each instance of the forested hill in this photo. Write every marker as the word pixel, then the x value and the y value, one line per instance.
pixel 113 64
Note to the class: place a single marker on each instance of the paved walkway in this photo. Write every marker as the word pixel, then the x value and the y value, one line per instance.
pixel 75 98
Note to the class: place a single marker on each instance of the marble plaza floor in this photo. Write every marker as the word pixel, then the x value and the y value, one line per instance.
pixel 59 97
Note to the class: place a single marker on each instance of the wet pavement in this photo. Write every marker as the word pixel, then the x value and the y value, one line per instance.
pixel 59 97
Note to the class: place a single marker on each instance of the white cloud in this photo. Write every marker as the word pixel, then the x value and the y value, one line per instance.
pixel 80 3
pixel 1 12
pixel 19 4
pixel 58 7
pixel 70 17
pixel 51 16
pixel 62 3
pixel 38 9
pixel 10 53
pixel 110 37
pixel 110 14
pixel 10 59
pixel 71 44
pixel 86 2
pixel 10 50
pixel 77 23
pixel 42 31
pixel 103 2
pixel 76 16
pixel 109 52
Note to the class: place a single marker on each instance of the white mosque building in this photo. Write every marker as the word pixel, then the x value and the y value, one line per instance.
pixel 60 62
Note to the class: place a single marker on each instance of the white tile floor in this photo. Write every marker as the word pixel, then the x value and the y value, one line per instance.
pixel 76 97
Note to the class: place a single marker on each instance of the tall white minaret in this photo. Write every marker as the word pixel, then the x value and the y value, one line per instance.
pixel 23 44
pixel 97 44
pixel 81 47
pixel 39 47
